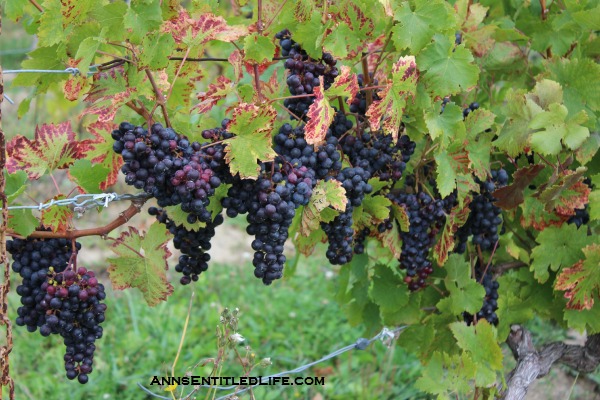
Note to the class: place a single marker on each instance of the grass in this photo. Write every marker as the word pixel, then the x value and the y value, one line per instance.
pixel 293 322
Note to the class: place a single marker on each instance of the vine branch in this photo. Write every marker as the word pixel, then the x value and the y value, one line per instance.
pixel 123 218
pixel 533 364
pixel 160 98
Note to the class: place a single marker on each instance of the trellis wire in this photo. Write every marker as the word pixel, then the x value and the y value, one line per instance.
pixel 89 201
pixel 386 335
pixel 72 71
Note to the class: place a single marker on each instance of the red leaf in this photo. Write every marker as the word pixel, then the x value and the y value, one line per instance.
pixel 236 59
pixel 205 28
pixel 109 91
pixel 57 218
pixel 457 218
pixel 568 281
pixel 576 198
pixel 511 196
pixel 215 92
pixel 320 115
pixel 54 147
pixel 100 151
pixel 73 87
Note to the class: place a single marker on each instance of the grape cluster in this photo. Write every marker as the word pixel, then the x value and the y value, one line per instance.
pixel 32 260
pixel 484 217
pixel 59 300
pixel 426 217
pixel 169 167
pixel 193 244
pixel 468 110
pixel 340 233
pixel 378 154
pixel 270 203
pixel 74 310
pixel 304 73
pixel 490 301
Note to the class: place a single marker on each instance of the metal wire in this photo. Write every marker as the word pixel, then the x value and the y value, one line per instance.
pixel 72 71
pixel 82 202
pixel 386 335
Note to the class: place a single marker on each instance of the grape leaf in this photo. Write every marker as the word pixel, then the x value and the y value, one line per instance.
pixel 465 294
pixel 595 198
pixel 15 184
pixel 41 58
pixel 535 215
pixel 389 110
pixel 101 151
pixel 252 126
pixel 22 221
pixel 416 28
pixel 157 49
pixel 179 217
pixel 448 126
pixel 373 210
pixel 458 217
pixel 387 289
pixel 258 48
pixel 448 69
pixel 57 218
pixel 54 147
pixel 514 134
pixel 306 244
pixel 141 18
pixel 320 116
pixel 511 196
pixel 401 216
pixel 558 247
pixel 324 195
pixel 214 93
pixel 586 152
pixel 581 282
pixel 142 262
pixel 215 207
pixel 310 34
pixel 552 129
pixel 390 239
pixel 111 90
pixel 551 195
pixel 88 176
pixel 445 375
pixel 479 342
pixel 198 31
pixel 344 85
pixel 74 86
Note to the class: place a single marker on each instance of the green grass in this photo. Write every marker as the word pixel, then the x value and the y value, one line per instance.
pixel 293 322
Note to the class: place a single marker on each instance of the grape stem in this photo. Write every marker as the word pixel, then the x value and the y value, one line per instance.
pixel 160 98
pixel 36 5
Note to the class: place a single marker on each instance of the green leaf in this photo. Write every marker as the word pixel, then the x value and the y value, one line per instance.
pixel 141 18
pixel 552 129
pixel 558 247
pixel 258 48
pixel 479 341
pixel 415 29
pixel 110 16
pixel 446 174
pixel 445 244
pixel 41 58
pixel 142 262
pixel 445 375
pixel 88 176
pixel 338 41
pixel 465 294
pixel 514 134
pixel 22 221
pixel 16 183
pixel 448 126
pixel 324 195
pixel 179 217
pixel 373 210
pixel 388 290
pixel 157 49
pixel 215 206
pixel 594 198
pixel 86 52
pixel 252 126
pixel 310 35
pixel 51 30
pixel 449 69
